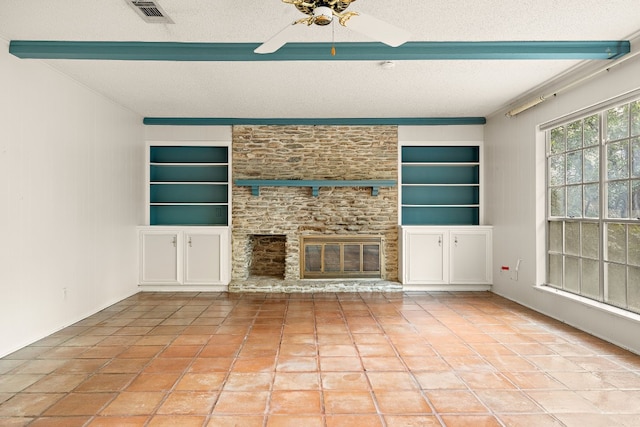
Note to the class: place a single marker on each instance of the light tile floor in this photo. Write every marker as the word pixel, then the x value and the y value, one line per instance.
pixel 345 359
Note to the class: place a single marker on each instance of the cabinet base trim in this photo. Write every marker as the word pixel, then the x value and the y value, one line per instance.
pixel 183 288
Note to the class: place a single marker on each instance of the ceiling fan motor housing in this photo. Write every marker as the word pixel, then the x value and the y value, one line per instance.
pixel 322 15
pixel 308 7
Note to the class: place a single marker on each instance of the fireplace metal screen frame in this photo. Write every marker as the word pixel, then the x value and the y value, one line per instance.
pixel 341 241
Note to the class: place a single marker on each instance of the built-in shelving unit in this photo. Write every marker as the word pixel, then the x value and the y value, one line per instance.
pixel 188 185
pixel 440 185
pixel 315 185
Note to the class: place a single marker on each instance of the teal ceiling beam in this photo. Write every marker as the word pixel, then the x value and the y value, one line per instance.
pixel 369 51
pixel 341 121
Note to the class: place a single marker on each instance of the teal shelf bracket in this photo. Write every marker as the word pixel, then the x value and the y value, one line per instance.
pixel 315 185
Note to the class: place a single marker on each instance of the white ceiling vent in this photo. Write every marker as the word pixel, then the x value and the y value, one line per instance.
pixel 150 12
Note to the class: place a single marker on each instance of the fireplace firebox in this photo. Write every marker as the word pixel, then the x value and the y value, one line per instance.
pixel 327 257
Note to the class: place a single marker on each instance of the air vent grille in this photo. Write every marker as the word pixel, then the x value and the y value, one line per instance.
pixel 150 12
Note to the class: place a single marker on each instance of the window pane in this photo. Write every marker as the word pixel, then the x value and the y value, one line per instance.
pixel 557 202
pixel 617 242
pixel 616 288
pixel 555 236
pixel 555 270
pixel 617 122
pixel 572 275
pixel 590 240
pixel 331 258
pixel 592 201
pixel 574 201
pixel 590 279
pixel 591 164
pixel 574 135
pixel 572 238
pixel 351 257
pixel 633 290
pixel 634 245
pixel 558 140
pixel 371 258
pixel 635 199
pixel 556 170
pixel 617 199
pixel 618 160
pixel 591 130
pixel 635 158
pixel 574 167
pixel 312 257
pixel 635 118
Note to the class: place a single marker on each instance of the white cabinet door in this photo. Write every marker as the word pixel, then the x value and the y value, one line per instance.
pixel 470 256
pixel 159 257
pixel 202 258
pixel 425 257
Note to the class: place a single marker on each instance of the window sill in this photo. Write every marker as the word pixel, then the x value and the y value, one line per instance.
pixel 589 302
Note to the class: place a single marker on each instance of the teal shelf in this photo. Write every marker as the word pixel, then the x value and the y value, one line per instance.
pixel 192 173
pixel 440 174
pixel 189 193
pixel 188 154
pixel 441 154
pixel 315 185
pixel 188 215
pixel 440 195
pixel 445 215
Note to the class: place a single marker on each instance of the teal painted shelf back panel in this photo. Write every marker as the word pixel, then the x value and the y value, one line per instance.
pixel 210 173
pixel 188 215
pixel 440 154
pixel 440 195
pixel 440 216
pixel 188 154
pixel 191 193
pixel 441 174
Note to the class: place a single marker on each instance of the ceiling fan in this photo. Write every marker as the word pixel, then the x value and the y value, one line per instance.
pixel 322 12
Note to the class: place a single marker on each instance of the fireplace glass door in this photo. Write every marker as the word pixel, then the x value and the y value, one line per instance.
pixel 341 257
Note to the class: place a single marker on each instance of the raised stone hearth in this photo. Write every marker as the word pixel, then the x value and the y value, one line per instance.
pixel 281 216
pixel 268 284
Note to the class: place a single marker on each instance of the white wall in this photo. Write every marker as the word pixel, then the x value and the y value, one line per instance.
pixel 71 192
pixel 514 159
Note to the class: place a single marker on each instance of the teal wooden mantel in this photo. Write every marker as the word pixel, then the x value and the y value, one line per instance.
pixel 315 185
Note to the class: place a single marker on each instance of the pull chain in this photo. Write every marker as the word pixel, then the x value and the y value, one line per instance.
pixel 333 38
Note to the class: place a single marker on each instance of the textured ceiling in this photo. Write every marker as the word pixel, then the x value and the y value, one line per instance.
pixel 290 89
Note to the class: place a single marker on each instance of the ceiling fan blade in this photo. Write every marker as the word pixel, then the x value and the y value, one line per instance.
pixel 280 39
pixel 377 29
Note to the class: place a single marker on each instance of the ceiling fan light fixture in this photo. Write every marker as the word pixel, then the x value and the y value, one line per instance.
pixel 322 15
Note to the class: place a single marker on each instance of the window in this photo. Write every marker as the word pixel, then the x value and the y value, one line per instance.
pixel 593 206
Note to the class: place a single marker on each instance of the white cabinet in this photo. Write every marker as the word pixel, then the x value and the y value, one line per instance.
pixel 446 256
pixel 188 256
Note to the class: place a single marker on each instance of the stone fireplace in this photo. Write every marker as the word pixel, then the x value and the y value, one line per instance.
pixel 268 228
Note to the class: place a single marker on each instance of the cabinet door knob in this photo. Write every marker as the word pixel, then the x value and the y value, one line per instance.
pixel 455 240
pixel 173 240
pixel 439 241
pixel 190 245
